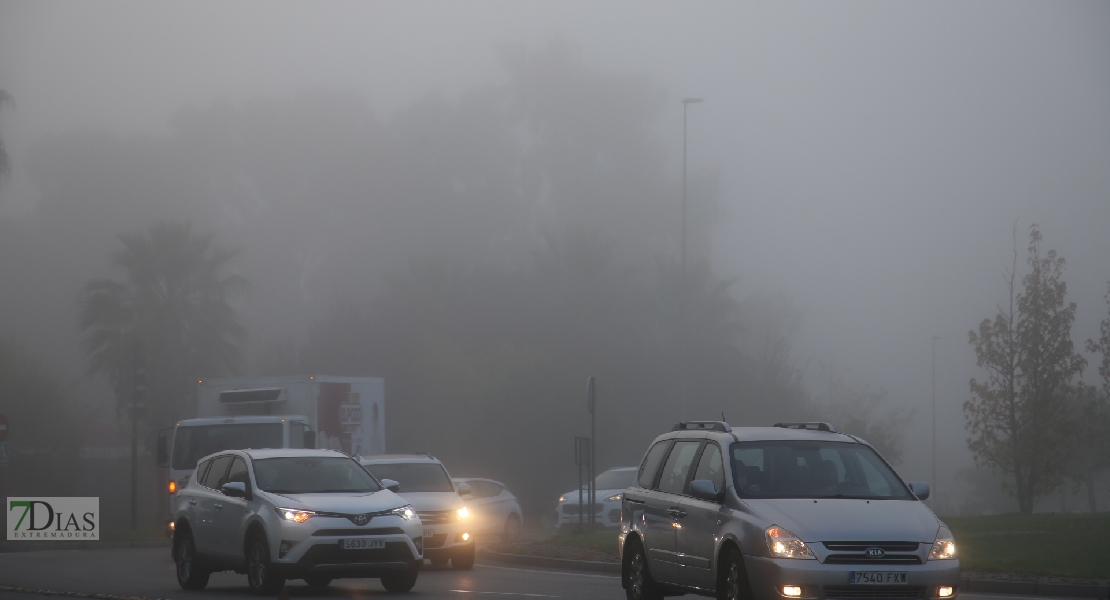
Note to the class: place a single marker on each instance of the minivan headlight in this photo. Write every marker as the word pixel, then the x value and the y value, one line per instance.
pixel 944 548
pixel 405 512
pixel 614 497
pixel 294 514
pixel 783 544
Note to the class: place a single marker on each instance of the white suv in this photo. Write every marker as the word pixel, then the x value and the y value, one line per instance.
pixel 298 514
pixel 424 483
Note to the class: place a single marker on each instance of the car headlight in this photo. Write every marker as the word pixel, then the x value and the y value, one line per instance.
pixel 463 513
pixel 405 512
pixel 783 544
pixel 614 497
pixel 944 548
pixel 294 514
pixel 562 498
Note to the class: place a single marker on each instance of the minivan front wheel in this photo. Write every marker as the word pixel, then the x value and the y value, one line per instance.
pixel 732 579
pixel 640 585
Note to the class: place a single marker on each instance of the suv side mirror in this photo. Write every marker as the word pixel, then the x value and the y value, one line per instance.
pixel 163 449
pixel 391 485
pixel 464 489
pixel 309 439
pixel 919 489
pixel 703 489
pixel 234 489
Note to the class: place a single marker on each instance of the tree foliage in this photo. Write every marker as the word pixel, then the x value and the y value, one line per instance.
pixel 1019 417
pixel 173 306
pixel 5 160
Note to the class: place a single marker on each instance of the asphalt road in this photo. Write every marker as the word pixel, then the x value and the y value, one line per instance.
pixel 149 572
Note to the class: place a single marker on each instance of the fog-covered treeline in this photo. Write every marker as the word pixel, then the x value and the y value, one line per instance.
pixel 483 253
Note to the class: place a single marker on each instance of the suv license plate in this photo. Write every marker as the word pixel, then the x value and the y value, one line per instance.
pixel 361 544
pixel 429 533
pixel 878 577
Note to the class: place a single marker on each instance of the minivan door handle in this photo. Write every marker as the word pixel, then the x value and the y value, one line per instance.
pixel 675 512
pixel 192 503
pixel 219 506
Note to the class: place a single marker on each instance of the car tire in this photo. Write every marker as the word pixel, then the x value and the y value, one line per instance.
pixel 512 529
pixel 400 582
pixel 464 559
pixel 261 577
pixel 189 575
pixel 732 577
pixel 638 584
pixel 317 581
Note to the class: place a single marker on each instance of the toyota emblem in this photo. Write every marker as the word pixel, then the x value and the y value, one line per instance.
pixel 875 553
pixel 363 519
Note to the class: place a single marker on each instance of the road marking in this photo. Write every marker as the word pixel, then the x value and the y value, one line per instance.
pixel 504 593
pixel 552 572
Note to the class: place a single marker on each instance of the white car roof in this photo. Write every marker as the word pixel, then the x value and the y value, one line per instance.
pixel 242 419
pixel 381 459
pixel 289 453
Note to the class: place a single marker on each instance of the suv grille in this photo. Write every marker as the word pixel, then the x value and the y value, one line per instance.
pixel 872 592
pixel 855 553
pixel 437 517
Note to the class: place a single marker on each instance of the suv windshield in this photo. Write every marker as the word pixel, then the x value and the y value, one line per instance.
pixel 415 477
pixel 615 480
pixel 193 442
pixel 813 469
pixel 312 475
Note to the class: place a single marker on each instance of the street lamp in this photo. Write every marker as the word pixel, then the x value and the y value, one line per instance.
pixel 686 102
pixel 934 492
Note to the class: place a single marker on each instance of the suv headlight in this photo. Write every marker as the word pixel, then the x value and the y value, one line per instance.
pixel 294 514
pixel 783 544
pixel 463 513
pixel 405 512
pixel 944 548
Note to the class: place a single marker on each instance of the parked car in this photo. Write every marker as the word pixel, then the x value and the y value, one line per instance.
pixel 795 511
pixel 425 483
pixel 609 487
pixel 292 514
pixel 493 508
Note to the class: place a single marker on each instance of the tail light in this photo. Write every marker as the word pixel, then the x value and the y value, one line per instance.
pixel 173 486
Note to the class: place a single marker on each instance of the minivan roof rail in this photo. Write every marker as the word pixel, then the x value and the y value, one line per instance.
pixel 807 426
pixel 702 426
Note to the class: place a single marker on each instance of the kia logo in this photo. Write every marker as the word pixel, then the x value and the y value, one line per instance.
pixel 875 553
pixel 360 519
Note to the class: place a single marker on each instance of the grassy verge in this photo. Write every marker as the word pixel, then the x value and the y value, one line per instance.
pixel 1061 545
pixel 596 545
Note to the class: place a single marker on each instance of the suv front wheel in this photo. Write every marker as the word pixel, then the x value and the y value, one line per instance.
pixel 189 575
pixel 261 577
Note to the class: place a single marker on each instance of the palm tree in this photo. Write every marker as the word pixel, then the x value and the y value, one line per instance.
pixel 172 311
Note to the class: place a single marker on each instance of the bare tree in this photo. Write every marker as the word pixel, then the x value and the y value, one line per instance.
pixel 5 160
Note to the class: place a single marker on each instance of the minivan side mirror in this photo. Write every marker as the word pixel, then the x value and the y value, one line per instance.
pixel 919 489
pixel 309 439
pixel 464 489
pixel 703 489
pixel 234 489
pixel 391 485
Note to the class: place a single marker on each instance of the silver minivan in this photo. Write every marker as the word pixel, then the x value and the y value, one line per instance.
pixel 795 511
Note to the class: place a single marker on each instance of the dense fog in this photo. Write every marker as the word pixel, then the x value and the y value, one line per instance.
pixel 482 204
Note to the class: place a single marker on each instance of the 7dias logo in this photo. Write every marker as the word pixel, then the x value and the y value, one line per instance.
pixel 53 519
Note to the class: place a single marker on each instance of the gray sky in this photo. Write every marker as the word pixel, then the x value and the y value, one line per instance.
pixel 874 155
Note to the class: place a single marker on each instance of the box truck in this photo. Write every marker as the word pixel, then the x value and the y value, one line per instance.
pixel 313 411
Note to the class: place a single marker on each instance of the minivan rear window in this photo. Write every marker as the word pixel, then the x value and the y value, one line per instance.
pixel 813 469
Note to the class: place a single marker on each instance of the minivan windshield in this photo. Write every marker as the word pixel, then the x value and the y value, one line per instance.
pixel 312 475
pixel 414 477
pixel 813 469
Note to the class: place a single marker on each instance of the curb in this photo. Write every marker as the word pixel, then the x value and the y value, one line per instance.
pixel 87 545
pixel 986 586
pixel 592 566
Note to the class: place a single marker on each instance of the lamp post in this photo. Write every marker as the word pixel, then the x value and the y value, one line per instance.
pixel 934 492
pixel 686 102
